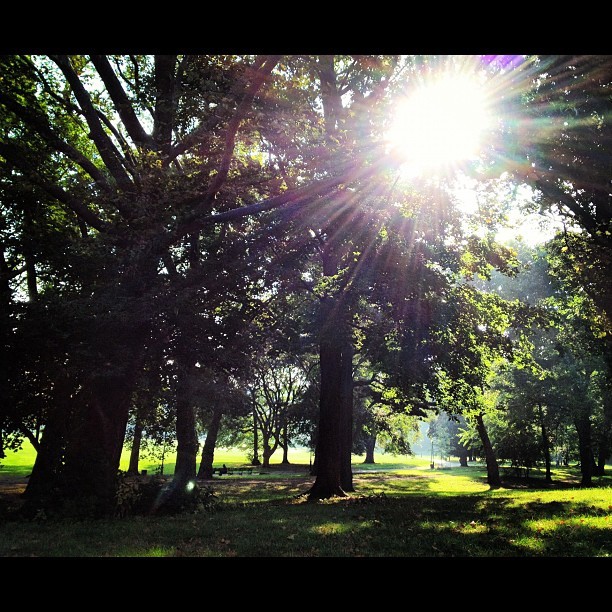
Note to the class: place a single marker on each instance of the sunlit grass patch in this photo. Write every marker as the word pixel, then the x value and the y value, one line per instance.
pixel 327 529
pixel 152 552
pixel 595 497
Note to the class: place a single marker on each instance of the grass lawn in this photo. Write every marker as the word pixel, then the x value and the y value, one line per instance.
pixel 400 508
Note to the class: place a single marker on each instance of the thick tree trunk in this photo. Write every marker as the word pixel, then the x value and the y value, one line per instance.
pixel 332 440
pixel 370 446
pixel 267 452
pixel 205 471
pixel 94 450
pixel 605 437
pixel 603 455
pixel 44 481
pixel 463 458
pixel 583 428
pixel 346 470
pixel 493 477
pixel 186 436
pixel 329 441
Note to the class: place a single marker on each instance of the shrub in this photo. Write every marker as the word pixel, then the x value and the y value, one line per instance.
pixel 142 495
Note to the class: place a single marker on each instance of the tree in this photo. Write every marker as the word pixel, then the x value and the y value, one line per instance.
pixel 137 196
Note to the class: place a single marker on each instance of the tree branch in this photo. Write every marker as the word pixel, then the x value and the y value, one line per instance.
pixel 18 160
pixel 40 124
pixel 267 65
pixel 164 101
pixel 121 102
pixel 107 150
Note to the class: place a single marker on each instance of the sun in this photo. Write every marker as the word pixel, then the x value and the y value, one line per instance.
pixel 440 123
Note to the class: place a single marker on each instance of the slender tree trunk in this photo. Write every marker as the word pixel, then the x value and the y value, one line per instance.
pixel 370 446
pixel 205 471
pixel 545 444
pixel 136 442
pixel 313 461
pixel 493 477
pixel 256 460
pixel 285 445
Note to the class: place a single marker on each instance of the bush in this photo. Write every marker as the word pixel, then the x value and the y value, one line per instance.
pixel 143 495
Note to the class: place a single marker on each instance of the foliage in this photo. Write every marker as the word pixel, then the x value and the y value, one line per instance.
pixel 144 495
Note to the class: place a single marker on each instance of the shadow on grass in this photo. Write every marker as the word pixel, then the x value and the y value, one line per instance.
pixel 390 515
pixel 379 526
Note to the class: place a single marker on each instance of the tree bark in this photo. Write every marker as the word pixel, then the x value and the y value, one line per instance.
pixel 205 472
pixel 346 469
pixel 44 481
pixel 285 445
pixel 135 451
pixel 186 438
pixel 255 460
pixel 165 66
pixel 94 449
pixel 583 428
pixel 328 460
pixel 370 446
pixel 493 477
pixel 605 437
pixel 545 444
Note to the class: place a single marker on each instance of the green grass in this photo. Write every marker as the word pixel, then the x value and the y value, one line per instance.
pixel 20 463
pixel 400 508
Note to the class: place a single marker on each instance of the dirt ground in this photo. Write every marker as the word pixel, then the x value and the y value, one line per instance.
pixel 226 488
pixel 11 493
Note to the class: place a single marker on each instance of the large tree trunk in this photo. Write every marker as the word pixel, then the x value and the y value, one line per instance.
pixel 329 441
pixel 463 458
pixel 186 436
pixel 332 439
pixel 94 449
pixel 44 480
pixel 493 477
pixel 267 451
pixel 346 469
pixel 604 449
pixel 583 428
pixel 605 437
pixel 205 471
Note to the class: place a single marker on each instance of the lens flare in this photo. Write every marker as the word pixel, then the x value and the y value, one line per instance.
pixel 441 122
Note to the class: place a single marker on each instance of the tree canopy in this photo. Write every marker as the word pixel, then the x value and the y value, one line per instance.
pixel 177 228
